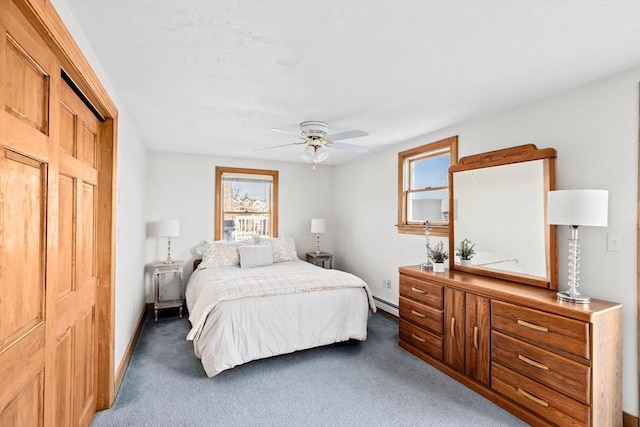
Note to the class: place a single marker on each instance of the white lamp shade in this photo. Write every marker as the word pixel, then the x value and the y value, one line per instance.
pixel 426 210
pixel 318 226
pixel 578 207
pixel 169 228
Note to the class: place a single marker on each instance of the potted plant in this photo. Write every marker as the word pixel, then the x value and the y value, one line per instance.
pixel 438 255
pixel 465 251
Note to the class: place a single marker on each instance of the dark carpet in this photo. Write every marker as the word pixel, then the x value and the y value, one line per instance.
pixel 371 383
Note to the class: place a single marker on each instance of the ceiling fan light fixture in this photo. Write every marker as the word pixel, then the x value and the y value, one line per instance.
pixel 314 154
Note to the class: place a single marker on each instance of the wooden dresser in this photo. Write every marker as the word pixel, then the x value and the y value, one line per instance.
pixel 546 361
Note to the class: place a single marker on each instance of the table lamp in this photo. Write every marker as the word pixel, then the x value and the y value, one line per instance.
pixel 318 227
pixel 169 228
pixel 577 208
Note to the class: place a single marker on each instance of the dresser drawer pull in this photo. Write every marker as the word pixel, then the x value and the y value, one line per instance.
pixel 453 327
pixel 475 337
pixel 539 365
pixel 533 398
pixel 420 291
pixel 418 338
pixel 532 326
pixel 417 314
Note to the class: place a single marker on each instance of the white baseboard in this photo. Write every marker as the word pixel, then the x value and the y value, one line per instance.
pixel 385 305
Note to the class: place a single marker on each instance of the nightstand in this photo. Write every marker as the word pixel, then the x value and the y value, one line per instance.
pixel 162 270
pixel 320 259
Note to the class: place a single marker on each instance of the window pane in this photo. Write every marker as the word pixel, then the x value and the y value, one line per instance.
pixel 428 206
pixel 246 206
pixel 243 195
pixel 243 226
pixel 430 172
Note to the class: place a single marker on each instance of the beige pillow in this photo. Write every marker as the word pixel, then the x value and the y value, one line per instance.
pixel 255 256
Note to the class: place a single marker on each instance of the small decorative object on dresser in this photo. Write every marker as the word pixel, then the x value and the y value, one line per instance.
pixel 161 270
pixel 545 361
pixel 438 255
pixel 465 251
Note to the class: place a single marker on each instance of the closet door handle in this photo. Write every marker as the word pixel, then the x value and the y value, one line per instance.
pixel 475 337
pixel 420 291
pixel 533 398
pixel 453 327
pixel 531 362
pixel 418 338
pixel 532 326
pixel 417 314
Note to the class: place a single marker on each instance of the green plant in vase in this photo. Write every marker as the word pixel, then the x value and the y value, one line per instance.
pixel 465 251
pixel 438 255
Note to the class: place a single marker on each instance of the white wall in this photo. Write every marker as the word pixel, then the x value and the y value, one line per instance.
pixel 182 186
pixel 595 131
pixel 130 187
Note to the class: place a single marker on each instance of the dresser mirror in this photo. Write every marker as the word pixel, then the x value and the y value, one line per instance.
pixel 498 200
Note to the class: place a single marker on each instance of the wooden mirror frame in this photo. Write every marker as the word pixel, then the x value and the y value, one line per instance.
pixel 519 154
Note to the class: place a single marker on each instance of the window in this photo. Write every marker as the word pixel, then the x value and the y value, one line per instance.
pixel 246 203
pixel 423 187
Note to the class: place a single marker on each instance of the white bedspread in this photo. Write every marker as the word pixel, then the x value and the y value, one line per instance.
pixel 239 315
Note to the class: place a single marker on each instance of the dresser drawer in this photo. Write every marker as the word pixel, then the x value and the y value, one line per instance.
pixel 552 405
pixel 559 373
pixel 422 340
pixel 421 291
pixel 542 328
pixel 422 315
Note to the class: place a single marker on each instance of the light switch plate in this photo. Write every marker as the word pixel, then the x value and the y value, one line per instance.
pixel 614 242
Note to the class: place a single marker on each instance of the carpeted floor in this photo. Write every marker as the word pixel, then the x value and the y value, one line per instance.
pixel 371 383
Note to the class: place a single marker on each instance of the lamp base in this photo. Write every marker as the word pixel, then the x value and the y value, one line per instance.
pixel 577 298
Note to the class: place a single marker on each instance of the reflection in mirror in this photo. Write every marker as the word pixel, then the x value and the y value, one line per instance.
pixel 508 198
pixel 500 200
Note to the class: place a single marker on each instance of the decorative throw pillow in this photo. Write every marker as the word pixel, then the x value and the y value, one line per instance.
pixel 284 248
pixel 219 253
pixel 255 255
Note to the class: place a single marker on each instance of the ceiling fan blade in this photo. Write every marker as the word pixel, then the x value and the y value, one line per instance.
pixel 347 134
pixel 283 131
pixel 349 147
pixel 278 146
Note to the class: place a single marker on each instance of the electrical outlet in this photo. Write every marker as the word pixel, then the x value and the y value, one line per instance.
pixel 386 283
pixel 614 242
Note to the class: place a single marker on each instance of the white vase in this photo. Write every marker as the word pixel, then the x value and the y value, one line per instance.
pixel 438 267
pixel 465 262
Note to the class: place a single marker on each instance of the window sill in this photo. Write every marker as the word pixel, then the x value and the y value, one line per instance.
pixel 418 229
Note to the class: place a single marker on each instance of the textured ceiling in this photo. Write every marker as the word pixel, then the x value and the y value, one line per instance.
pixel 214 77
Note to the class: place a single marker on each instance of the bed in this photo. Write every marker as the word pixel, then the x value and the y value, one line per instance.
pixel 257 300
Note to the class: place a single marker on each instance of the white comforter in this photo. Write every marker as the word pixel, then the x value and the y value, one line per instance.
pixel 240 315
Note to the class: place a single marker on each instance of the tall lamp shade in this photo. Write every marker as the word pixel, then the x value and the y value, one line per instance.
pixel 169 228
pixel 577 208
pixel 318 227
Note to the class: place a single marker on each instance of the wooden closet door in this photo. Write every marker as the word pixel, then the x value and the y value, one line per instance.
pixel 25 157
pixel 75 293
pixel 48 207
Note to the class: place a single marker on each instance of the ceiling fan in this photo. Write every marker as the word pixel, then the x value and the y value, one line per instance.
pixel 314 136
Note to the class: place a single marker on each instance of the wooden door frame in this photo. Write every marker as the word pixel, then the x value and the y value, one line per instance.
pixel 42 15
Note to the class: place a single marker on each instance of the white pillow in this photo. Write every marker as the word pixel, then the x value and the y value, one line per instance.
pixel 255 256
pixel 284 248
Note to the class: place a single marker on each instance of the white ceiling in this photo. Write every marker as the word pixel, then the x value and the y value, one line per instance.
pixel 213 77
